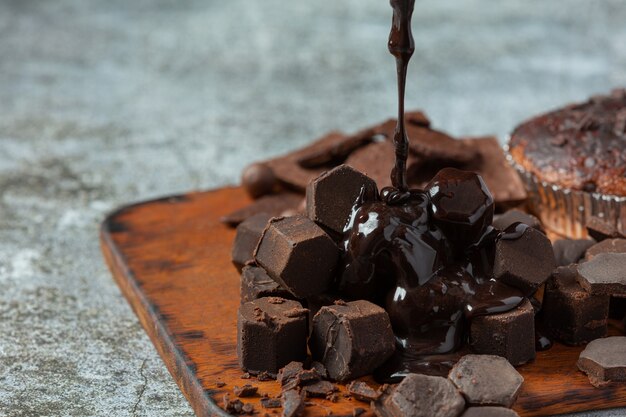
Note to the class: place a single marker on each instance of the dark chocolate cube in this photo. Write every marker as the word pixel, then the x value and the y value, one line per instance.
pixel 524 258
pixel 247 237
pixel 298 255
pixel 271 332
pixel 604 274
pixel 571 314
pixel 510 334
pixel 330 198
pixel 255 283
pixel 351 339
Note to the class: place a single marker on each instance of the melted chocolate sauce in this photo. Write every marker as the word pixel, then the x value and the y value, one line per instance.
pixel 402 46
pixel 426 256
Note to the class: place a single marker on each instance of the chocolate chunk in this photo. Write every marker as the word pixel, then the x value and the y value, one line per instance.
pixel 330 198
pixel 487 380
pixel 258 180
pixel 503 221
pixel 293 403
pixel 272 205
pixel 298 255
pixel 339 151
pixel 236 406
pixel 461 205
pixel 606 246
pixel 604 274
pixel 363 392
pixel 268 338
pixel 524 258
pixel 421 396
pixel 320 369
pixel 489 412
pixel 289 376
pixel 342 339
pixel 245 391
pixel 319 389
pixel 571 314
pixel 604 360
pixel 600 229
pixel 510 335
pixel 255 283
pixel 271 403
pixel 247 237
pixel 501 178
pixel 570 251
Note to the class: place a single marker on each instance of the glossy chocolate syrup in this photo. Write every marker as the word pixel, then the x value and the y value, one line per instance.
pixel 428 262
pixel 427 255
pixel 401 46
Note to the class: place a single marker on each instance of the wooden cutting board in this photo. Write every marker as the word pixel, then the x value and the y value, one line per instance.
pixel 171 258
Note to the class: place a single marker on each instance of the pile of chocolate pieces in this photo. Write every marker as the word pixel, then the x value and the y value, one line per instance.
pixel 288 248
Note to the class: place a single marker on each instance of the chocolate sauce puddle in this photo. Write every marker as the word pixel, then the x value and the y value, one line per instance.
pixel 427 255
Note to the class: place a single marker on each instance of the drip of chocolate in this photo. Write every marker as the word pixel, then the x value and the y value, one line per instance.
pixel 401 46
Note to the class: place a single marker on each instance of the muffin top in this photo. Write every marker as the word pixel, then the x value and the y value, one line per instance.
pixel 581 146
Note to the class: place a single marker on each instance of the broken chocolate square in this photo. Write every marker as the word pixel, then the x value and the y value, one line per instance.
pixel 606 246
pixel 272 332
pixel 487 380
pixel 510 334
pixel 421 396
pixel 293 403
pixel 571 314
pixel 298 255
pixel 604 360
pixel 245 391
pixel 342 339
pixel 319 389
pixel 363 392
pixel 526 261
pixel 600 229
pixel 255 283
pixel 247 237
pixel 604 274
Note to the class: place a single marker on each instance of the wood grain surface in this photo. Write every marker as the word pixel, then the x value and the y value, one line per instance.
pixel 171 258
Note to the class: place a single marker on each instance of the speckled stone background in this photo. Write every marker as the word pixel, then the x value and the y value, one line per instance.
pixel 107 102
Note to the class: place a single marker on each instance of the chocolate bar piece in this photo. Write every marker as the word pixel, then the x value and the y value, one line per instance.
pixel 606 246
pixel 421 396
pixel 289 375
pixel 571 314
pixel 486 380
pixel 604 360
pixel 255 283
pixel 298 255
pixel 330 198
pixel 430 144
pixel 525 261
pixel 363 392
pixel 271 332
pixel 342 339
pixel 506 219
pixel 293 403
pixel 272 205
pixel 489 412
pixel 510 335
pixel 247 237
pixel 599 229
pixel 604 274
pixel 319 389
pixel 570 251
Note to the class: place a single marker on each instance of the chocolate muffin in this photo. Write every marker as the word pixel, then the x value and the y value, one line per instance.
pixel 573 161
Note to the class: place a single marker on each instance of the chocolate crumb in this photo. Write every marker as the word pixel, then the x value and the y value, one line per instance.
pixel 295 312
pixel 265 376
pixel 271 403
pixel 246 375
pixel 275 300
pixel 220 384
pixel 245 391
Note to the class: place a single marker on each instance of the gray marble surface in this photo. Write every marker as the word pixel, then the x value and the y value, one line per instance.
pixel 103 103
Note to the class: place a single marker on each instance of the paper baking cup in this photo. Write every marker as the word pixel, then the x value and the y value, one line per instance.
pixel 565 211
